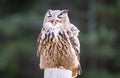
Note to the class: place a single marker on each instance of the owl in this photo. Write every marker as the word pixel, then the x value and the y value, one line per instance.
pixel 58 44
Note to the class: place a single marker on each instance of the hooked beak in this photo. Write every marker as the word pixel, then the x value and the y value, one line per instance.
pixel 54 22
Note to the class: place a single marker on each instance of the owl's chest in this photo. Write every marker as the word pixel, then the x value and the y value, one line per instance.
pixel 53 35
pixel 55 39
pixel 56 43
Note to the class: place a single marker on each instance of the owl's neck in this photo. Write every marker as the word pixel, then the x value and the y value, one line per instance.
pixel 50 25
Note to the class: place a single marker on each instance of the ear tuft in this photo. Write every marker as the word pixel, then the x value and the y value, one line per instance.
pixel 48 10
pixel 66 11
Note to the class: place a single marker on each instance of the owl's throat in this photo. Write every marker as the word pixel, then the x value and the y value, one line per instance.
pixel 53 33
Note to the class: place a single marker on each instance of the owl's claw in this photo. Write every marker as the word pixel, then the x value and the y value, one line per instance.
pixel 61 67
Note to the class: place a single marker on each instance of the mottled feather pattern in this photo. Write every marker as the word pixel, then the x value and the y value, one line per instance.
pixel 50 49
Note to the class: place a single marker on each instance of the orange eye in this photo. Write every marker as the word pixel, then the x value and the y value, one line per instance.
pixel 60 15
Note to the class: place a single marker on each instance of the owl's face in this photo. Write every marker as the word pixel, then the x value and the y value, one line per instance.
pixel 56 17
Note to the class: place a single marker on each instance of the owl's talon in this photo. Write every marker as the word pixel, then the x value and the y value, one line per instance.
pixel 61 67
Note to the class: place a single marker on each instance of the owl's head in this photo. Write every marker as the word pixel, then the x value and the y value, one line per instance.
pixel 56 17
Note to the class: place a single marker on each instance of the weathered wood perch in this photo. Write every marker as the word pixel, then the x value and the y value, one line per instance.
pixel 57 73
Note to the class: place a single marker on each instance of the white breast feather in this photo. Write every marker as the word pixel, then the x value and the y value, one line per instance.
pixel 54 29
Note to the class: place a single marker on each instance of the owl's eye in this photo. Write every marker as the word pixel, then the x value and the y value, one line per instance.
pixel 60 15
pixel 49 15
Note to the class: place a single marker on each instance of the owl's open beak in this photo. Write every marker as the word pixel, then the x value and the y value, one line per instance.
pixel 54 22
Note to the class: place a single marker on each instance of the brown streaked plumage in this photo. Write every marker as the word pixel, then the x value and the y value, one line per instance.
pixel 58 43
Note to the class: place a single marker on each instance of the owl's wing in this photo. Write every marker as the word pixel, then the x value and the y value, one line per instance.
pixel 75 43
pixel 40 40
pixel 74 30
pixel 74 38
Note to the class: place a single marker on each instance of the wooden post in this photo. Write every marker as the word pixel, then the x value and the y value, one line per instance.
pixel 57 73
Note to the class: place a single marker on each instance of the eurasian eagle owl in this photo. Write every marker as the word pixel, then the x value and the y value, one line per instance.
pixel 58 43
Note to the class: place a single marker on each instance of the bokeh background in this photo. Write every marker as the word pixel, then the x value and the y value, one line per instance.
pixel 98 21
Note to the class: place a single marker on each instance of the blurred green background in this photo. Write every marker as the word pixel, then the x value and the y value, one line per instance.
pixel 98 21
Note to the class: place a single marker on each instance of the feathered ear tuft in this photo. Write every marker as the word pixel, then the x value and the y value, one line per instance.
pixel 66 11
pixel 48 10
